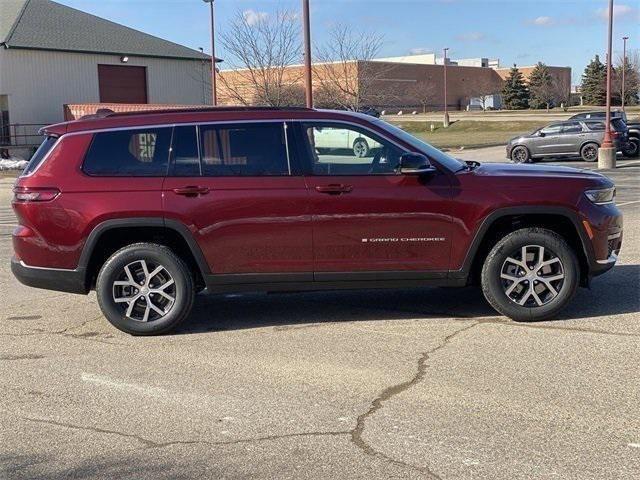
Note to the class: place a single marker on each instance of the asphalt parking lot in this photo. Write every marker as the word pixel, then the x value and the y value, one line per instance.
pixel 419 383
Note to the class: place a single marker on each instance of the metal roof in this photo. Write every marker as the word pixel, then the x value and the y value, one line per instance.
pixel 47 25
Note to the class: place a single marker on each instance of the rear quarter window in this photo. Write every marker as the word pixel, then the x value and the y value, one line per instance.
pixel 39 156
pixel 129 153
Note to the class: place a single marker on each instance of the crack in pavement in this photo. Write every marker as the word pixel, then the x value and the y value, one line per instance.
pixel 392 391
pixel 152 444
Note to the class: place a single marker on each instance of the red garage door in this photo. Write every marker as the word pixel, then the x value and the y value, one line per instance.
pixel 120 84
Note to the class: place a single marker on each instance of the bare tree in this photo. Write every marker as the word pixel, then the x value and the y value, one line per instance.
pixel 346 75
pixel 483 89
pixel 423 92
pixel 631 79
pixel 561 91
pixel 260 49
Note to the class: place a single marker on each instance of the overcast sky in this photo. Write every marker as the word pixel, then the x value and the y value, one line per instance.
pixel 557 32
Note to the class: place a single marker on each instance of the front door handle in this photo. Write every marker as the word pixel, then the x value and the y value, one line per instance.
pixel 191 191
pixel 334 189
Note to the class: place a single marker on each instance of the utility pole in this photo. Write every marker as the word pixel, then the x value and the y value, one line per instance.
pixel 307 54
pixel 624 65
pixel 214 93
pixel 607 152
pixel 446 112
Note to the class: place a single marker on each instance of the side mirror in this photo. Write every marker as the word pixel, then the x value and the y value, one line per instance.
pixel 415 164
pixel 542 134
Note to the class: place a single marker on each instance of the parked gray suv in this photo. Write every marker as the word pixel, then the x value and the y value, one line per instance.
pixel 570 138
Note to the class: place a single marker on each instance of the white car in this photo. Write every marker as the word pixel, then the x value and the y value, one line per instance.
pixel 328 138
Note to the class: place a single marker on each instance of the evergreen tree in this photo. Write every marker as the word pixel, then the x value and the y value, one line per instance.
pixel 541 87
pixel 594 78
pixel 515 94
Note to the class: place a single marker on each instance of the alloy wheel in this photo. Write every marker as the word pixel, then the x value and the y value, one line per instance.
pixel 520 155
pixel 145 290
pixel 590 153
pixel 533 276
pixel 360 149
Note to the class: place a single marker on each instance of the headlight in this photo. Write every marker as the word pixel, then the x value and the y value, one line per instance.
pixel 601 196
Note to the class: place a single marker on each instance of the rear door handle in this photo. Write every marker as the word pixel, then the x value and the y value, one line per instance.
pixel 334 189
pixel 191 191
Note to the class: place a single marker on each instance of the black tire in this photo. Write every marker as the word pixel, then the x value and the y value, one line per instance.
pixel 175 280
pixel 360 148
pixel 520 154
pixel 631 148
pixel 495 287
pixel 589 152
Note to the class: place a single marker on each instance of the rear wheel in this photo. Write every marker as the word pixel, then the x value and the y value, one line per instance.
pixel 520 154
pixel 589 152
pixel 531 274
pixel 145 289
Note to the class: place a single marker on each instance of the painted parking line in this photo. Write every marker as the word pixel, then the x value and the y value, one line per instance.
pixel 628 203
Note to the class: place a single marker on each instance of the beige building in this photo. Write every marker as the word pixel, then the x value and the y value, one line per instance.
pixel 52 55
pixel 390 85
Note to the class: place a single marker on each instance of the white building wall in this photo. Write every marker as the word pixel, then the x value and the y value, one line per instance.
pixel 40 82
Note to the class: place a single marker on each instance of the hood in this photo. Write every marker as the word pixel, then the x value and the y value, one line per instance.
pixel 539 171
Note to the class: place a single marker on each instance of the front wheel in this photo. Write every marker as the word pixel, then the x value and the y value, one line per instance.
pixel 145 289
pixel 361 148
pixel 531 274
pixel 520 154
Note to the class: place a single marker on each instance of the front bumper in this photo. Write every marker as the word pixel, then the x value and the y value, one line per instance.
pixel 61 280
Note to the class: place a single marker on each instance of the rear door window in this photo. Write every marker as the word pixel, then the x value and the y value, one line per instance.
pixel 129 153
pixel 596 126
pixel 184 152
pixel 244 150
pixel 573 127
pixel 39 156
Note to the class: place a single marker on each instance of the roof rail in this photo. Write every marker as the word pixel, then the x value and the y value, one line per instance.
pixel 104 113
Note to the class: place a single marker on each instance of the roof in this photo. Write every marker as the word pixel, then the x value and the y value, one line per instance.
pixel 108 120
pixel 47 25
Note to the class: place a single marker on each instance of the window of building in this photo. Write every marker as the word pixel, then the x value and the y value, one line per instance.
pixel 136 153
pixel 5 134
pixel 244 150
pixel 345 150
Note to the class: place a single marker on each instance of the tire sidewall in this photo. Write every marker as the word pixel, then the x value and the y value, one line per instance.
pixel 584 147
pixel 365 148
pixel 492 283
pixel 520 148
pixel 163 256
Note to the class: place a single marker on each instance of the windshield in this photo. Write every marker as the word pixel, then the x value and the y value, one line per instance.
pixel 430 151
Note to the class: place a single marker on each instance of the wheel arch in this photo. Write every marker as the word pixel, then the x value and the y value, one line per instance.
pixel 501 222
pixel 111 235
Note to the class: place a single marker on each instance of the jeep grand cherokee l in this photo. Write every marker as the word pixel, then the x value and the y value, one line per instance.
pixel 150 208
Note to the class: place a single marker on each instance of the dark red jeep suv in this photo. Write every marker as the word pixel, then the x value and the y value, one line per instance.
pixel 150 208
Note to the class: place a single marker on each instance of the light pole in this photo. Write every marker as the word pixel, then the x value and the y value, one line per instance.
pixel 446 112
pixel 607 152
pixel 214 93
pixel 307 54
pixel 624 65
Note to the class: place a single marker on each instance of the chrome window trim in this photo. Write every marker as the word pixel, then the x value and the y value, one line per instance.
pixel 223 122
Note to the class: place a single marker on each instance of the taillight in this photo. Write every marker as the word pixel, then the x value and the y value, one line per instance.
pixel 26 194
